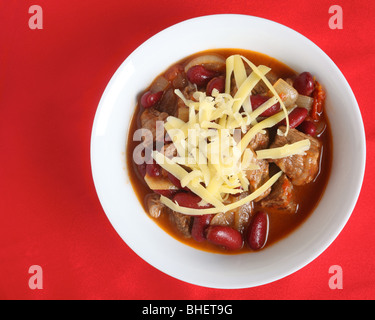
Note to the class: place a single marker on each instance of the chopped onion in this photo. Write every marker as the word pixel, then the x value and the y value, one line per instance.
pixel 160 84
pixel 286 92
pixel 304 102
pixel 159 183
pixel 213 61
pixel 223 219
pixel 183 113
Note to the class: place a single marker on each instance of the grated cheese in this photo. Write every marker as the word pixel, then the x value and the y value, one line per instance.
pixel 285 151
pixel 212 158
pixel 180 173
pixel 174 206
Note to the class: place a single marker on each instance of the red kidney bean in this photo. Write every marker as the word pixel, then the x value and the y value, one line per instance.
pixel 174 180
pixel 153 169
pixel 304 83
pixel 224 236
pixel 199 75
pixel 217 83
pixel 169 193
pixel 307 127
pixel 189 200
pixel 200 224
pixel 142 169
pixel 258 230
pixel 296 117
pixel 258 99
pixel 149 99
pixel 239 193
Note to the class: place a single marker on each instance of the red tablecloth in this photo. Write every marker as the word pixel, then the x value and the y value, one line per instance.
pixel 51 81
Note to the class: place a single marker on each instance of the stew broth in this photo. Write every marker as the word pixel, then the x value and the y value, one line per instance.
pixel 280 225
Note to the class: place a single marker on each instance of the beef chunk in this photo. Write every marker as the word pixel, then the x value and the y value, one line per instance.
pixel 243 213
pixel 258 177
pixel 300 169
pixel 281 196
pixel 168 102
pixel 149 120
pixel 154 206
pixel 261 87
pixel 169 150
pixel 260 141
pixel 237 218
pixel 182 222
pixel 182 111
pixel 189 91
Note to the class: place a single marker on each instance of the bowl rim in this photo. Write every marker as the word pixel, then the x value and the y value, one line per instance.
pixel 104 202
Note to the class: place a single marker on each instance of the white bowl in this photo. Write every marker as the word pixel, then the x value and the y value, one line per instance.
pixel 144 236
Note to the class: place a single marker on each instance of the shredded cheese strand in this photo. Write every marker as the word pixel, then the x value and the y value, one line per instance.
pixel 180 173
pixel 272 89
pixel 196 212
pixel 267 123
pixel 285 151
pixel 248 85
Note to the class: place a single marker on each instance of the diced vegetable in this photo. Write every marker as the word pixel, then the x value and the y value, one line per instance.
pixel 160 84
pixel 159 183
pixel 319 96
pixel 304 101
pixel 286 92
pixel 209 59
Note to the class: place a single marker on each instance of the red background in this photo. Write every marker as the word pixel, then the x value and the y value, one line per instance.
pixel 51 81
